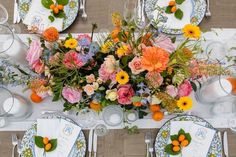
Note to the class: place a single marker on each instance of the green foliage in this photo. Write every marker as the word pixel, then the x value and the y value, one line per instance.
pixel 39 141
pixel 169 150
pixel 47 3
pixel 179 1
pixel 179 14
pixel 132 130
pixel 168 10
pixel 51 18
pixel 54 145
pixel 63 2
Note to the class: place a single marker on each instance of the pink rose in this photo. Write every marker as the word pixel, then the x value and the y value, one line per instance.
pixel 125 93
pixel 154 79
pixel 165 42
pixel 34 52
pixel 105 76
pixel 184 89
pixel 38 67
pixel 172 90
pixel 136 66
pixel 72 95
pixel 72 61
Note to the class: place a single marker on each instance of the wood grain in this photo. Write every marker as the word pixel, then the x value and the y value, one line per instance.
pixel 117 143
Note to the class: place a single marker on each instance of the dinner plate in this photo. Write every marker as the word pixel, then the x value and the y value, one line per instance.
pixel 26 148
pixel 158 17
pixel 163 136
pixel 71 10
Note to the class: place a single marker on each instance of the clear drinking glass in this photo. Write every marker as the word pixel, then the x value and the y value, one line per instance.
pixel 6 38
pixel 87 118
pixel 101 130
pixel 3 14
pixel 130 8
pixel 216 51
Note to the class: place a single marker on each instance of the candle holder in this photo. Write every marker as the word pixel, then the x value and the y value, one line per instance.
pixel 113 115
pixel 218 89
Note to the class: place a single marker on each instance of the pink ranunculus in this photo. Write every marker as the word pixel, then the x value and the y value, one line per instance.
pixel 136 66
pixel 72 61
pixel 125 93
pixel 165 42
pixel 154 79
pixel 38 67
pixel 72 95
pixel 34 52
pixel 103 74
pixel 172 90
pixel 184 89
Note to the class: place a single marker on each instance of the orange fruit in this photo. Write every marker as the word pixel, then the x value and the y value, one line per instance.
pixel 173 9
pixel 181 138
pixel 95 106
pixel 45 140
pixel 35 98
pixel 56 10
pixel 60 7
pixel 158 115
pixel 176 148
pixel 184 143
pixel 172 3
pixel 155 108
pixel 137 104
pixel 233 83
pixel 52 6
pixel 48 147
pixel 175 143
pixel 116 40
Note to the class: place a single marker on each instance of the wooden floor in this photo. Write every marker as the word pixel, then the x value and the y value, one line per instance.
pixel 117 143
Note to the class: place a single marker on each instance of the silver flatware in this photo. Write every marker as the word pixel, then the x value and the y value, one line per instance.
pixel 220 134
pixel 90 142
pixel 208 12
pixel 14 143
pixel 147 141
pixel 19 148
pixel 95 139
pixel 82 7
pixel 151 148
pixel 225 141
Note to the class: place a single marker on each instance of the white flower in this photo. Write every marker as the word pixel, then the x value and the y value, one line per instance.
pixel 89 89
pixel 155 100
pixel 111 94
pixel 95 85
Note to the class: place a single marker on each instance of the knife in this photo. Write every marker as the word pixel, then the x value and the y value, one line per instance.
pixel 95 138
pixel 15 12
pixel 226 148
pixel 90 142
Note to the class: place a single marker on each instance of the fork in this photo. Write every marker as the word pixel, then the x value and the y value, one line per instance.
pixel 14 143
pixel 208 13
pixel 147 141
pixel 82 7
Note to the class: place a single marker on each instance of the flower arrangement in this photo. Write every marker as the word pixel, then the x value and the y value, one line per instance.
pixel 132 67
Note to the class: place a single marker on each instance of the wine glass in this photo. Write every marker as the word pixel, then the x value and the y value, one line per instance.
pixel 130 8
pixel 3 14
pixel 6 38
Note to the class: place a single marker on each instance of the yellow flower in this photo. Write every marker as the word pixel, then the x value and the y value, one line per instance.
pixel 122 50
pixel 185 103
pixel 191 31
pixel 71 43
pixel 122 77
pixel 106 47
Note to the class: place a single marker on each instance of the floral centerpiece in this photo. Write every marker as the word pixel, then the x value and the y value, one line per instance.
pixel 136 68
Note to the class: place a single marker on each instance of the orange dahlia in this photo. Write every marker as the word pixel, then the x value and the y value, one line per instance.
pixel 154 59
pixel 51 34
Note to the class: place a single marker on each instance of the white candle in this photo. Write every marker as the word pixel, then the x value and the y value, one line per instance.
pixel 131 116
pixel 216 90
pixel 15 106
pixel 16 52
pixel 115 118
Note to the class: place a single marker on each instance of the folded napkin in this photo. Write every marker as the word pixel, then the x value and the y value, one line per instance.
pixel 64 131
pixel 38 16
pixel 201 137
pixel 47 128
pixel 173 22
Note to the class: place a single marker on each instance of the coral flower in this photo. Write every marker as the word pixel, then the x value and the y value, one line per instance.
pixel 191 31
pixel 72 61
pixel 51 34
pixel 155 59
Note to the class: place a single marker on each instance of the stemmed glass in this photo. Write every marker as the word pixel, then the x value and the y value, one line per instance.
pixel 130 8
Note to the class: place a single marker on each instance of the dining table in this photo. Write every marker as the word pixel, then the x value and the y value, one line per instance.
pixel 117 142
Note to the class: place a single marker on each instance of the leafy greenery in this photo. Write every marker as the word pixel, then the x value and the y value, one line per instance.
pixel 51 18
pixel 179 1
pixel 168 10
pixel 39 141
pixel 179 14
pixel 47 3
pixel 169 150
pixel 63 2
pixel 54 145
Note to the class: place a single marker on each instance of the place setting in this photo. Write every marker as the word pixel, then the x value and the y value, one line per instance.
pixel 154 68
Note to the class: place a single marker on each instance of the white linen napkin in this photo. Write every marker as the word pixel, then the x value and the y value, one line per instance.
pixel 47 128
pixel 173 22
pixel 38 16
pixel 201 137
pixel 68 133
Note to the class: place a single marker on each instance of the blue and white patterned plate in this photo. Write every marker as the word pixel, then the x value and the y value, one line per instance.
pixel 71 10
pixel 152 9
pixel 26 148
pixel 163 136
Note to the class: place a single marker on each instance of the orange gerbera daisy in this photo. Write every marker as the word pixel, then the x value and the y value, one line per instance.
pixel 51 34
pixel 155 59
